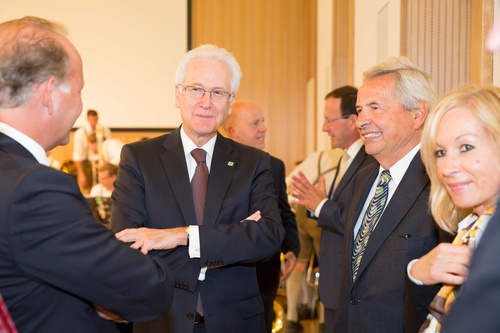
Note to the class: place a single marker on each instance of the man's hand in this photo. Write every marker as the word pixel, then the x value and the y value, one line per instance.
pixel 254 217
pixel 148 239
pixel 290 262
pixel 306 194
pixel 446 263
pixel 105 314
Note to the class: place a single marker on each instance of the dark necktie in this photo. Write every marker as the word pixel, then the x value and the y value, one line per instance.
pixel 370 220
pixel 199 183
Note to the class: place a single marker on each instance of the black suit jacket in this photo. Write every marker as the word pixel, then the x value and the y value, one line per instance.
pixel 268 271
pixel 476 309
pixel 332 223
pixel 153 190
pixel 378 300
pixel 56 259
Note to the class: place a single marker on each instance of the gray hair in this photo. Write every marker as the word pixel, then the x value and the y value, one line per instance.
pixel 412 84
pixel 29 55
pixel 209 51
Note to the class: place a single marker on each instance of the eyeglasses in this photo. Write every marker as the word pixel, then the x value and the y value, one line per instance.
pixel 328 121
pixel 216 94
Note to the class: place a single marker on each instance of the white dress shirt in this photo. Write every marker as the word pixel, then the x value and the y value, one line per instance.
pixel 397 171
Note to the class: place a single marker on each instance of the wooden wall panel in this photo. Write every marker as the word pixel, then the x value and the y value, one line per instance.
pixel 274 42
pixel 343 43
pixel 446 38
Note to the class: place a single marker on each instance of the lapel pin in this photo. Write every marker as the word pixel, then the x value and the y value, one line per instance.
pixel 230 163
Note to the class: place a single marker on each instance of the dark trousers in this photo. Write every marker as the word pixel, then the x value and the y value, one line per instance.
pixel 329 320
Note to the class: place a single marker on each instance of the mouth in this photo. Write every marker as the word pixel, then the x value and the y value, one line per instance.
pixel 372 135
pixel 455 187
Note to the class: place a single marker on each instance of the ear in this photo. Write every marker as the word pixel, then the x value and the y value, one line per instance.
pixel 233 133
pixel 177 96
pixel 48 90
pixel 420 114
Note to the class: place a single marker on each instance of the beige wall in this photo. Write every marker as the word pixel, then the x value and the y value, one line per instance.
pixel 130 50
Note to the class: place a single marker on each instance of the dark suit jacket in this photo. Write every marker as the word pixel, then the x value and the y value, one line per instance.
pixel 332 223
pixel 377 300
pixel 476 309
pixel 56 259
pixel 268 271
pixel 153 190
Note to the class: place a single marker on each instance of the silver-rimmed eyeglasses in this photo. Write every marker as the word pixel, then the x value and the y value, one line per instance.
pixel 328 121
pixel 198 92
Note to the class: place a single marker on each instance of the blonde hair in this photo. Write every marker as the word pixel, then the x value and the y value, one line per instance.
pixel 484 102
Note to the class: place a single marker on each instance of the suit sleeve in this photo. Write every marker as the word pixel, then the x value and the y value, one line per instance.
pixel 230 241
pixel 55 239
pixel 291 240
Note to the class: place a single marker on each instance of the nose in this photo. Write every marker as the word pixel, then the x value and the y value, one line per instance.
pixel 325 127
pixel 448 165
pixel 263 127
pixel 206 99
pixel 363 119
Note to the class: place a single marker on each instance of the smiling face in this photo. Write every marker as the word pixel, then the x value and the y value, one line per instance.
pixel 202 117
pixel 388 131
pixel 467 160
pixel 247 125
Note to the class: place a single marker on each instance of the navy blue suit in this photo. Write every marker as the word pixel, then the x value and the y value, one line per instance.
pixel 332 222
pixel 381 300
pixel 153 190
pixel 56 259
pixel 268 271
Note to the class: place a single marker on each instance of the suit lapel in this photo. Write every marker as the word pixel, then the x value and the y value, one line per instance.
pixel 174 164
pixel 351 171
pixel 412 184
pixel 223 165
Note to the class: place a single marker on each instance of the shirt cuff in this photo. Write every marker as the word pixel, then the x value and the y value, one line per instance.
pixel 194 248
pixel 408 269
pixel 194 241
pixel 320 206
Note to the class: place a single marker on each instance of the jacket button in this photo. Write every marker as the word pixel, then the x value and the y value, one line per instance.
pixel 190 316
pixel 354 301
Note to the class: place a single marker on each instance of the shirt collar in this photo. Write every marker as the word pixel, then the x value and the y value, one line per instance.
pixel 353 149
pixel 189 145
pixel 31 145
pixel 398 170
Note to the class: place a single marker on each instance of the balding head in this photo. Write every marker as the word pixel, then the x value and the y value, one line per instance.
pixel 246 124
pixel 40 80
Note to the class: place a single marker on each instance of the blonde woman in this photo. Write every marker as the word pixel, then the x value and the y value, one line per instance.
pixel 461 152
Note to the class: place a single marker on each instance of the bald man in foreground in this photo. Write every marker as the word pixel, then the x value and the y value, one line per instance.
pixel 246 125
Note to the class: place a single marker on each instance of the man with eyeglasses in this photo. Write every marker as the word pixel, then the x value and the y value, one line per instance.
pixel 186 197
pixel 340 124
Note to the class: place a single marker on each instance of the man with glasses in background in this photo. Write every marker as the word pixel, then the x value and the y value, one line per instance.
pixel 186 197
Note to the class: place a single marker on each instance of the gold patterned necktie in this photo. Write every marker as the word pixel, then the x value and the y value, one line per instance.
pixel 370 220
pixel 447 295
